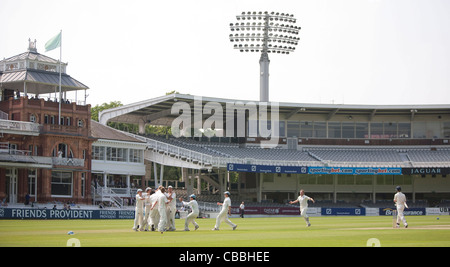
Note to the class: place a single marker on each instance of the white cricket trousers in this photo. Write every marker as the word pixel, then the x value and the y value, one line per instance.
pixel 162 220
pixel 223 216
pixel 304 214
pixel 138 218
pixel 190 219
pixel 400 216
pixel 154 218
pixel 171 217
pixel 147 219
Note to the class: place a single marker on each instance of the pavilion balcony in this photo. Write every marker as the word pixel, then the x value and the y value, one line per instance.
pixel 22 160
pixel 34 116
pixel 19 127
pixel 68 162
pixel 41 104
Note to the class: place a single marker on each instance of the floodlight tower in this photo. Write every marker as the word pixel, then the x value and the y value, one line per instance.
pixel 266 32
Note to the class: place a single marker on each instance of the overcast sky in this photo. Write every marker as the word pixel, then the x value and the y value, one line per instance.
pixel 350 51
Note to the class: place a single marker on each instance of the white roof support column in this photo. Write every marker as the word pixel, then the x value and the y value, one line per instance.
pixel 141 127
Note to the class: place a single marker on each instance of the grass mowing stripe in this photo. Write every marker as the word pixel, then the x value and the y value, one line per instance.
pixel 251 232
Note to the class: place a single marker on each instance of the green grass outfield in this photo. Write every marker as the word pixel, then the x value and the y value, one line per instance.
pixel 251 232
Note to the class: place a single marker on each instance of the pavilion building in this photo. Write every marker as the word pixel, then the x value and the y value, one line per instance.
pixel 45 140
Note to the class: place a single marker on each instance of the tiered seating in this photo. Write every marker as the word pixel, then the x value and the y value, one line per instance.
pixel 318 156
pixel 430 158
pixel 274 154
pixel 445 203
pixel 231 150
pixel 182 143
pixel 358 156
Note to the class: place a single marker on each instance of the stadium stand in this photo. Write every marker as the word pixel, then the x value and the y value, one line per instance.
pixel 430 157
pixel 377 156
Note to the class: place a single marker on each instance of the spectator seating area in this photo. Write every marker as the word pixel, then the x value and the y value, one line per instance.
pixel 429 157
pixel 360 156
pixel 311 155
pixel 405 156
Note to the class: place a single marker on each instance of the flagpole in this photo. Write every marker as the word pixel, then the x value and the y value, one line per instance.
pixel 60 65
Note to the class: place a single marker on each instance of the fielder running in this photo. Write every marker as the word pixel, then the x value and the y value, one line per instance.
pixel 400 203
pixel 194 212
pixel 223 215
pixel 303 199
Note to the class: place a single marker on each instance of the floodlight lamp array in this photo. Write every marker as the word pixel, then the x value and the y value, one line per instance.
pixel 265 32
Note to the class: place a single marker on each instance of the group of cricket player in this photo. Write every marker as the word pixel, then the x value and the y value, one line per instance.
pixel 156 209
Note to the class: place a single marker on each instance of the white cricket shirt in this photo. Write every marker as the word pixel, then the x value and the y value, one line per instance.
pixel 303 200
pixel 162 200
pixel 400 199
pixel 226 204
pixel 193 204
pixel 173 202
pixel 139 202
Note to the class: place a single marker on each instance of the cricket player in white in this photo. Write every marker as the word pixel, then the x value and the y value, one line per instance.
pixel 171 208
pixel 400 203
pixel 139 211
pixel 154 214
pixel 162 203
pixel 194 213
pixel 223 214
pixel 148 205
pixel 303 199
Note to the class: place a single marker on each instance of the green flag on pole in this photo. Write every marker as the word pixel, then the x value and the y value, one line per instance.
pixel 53 43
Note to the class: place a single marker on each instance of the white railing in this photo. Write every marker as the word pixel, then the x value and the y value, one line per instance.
pixel 8 154
pixel 428 164
pixel 26 159
pixel 207 206
pixel 283 162
pixel 68 162
pixel 186 154
pixel 4 147
pixel 116 199
pixel 107 194
pixel 3 115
